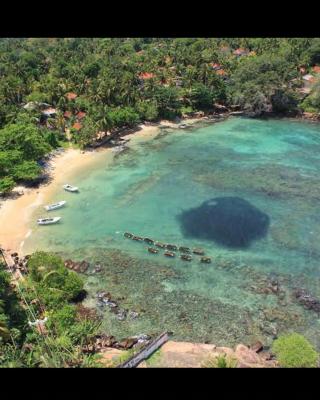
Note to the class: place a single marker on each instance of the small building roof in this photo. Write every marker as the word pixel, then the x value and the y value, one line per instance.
pixel 49 111
pixel 215 66
pixel 71 96
pixel 146 75
pixel 240 51
pixel 221 72
pixel 81 114
pixel 316 69
pixel 77 126
pixel 67 114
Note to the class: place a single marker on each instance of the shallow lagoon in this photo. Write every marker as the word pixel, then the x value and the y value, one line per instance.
pixel 253 179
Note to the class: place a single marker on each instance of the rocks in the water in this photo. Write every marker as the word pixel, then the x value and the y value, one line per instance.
pixel 76 266
pixel 307 300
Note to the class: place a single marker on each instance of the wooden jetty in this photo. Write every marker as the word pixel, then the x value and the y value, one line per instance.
pixel 144 353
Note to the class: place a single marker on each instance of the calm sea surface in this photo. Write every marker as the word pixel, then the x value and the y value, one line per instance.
pixel 245 191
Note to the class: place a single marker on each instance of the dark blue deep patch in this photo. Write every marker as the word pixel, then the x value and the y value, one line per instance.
pixel 229 221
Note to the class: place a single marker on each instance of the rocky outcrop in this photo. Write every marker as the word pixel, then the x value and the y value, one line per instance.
pixel 76 266
pixel 193 355
pixel 309 301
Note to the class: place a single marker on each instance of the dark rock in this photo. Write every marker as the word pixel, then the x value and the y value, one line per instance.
pixel 14 254
pixel 127 343
pixel 307 300
pixel 257 347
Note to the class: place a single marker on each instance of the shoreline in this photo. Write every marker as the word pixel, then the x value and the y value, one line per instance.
pixel 16 211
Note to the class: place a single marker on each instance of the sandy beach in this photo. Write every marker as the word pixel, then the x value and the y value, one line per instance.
pixel 15 213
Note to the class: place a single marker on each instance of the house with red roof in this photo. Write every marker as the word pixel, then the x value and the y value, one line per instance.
pixel 221 72
pixel 80 115
pixel 71 96
pixel 241 52
pixel 77 126
pixel 316 69
pixel 67 114
pixel 216 66
pixel 146 75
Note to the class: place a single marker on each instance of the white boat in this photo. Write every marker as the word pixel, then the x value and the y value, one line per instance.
pixel 51 207
pixel 70 188
pixel 48 221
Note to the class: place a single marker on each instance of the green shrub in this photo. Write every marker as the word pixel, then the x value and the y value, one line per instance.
pixel 222 361
pixel 295 351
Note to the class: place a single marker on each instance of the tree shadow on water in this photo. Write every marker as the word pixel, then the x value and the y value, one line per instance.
pixel 229 221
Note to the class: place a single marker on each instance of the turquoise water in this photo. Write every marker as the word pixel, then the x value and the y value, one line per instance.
pixel 263 178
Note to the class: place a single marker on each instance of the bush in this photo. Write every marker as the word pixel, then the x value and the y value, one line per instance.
pixel 6 185
pixel 295 351
pixel 222 361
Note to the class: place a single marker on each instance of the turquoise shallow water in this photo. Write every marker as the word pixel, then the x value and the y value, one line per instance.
pixel 263 174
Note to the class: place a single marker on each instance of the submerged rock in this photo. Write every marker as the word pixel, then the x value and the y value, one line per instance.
pixel 307 300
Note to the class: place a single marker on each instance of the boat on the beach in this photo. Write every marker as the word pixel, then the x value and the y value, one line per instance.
pixel 183 126
pixel 48 221
pixel 70 188
pixel 55 206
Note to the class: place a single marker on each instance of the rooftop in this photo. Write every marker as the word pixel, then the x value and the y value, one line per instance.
pixel 77 126
pixel 71 96
pixel 146 75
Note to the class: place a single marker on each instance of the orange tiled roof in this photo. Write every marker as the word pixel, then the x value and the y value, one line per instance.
pixel 81 114
pixel 146 75
pixel 221 72
pixel 67 114
pixel 71 96
pixel 316 69
pixel 240 51
pixel 215 66
pixel 77 126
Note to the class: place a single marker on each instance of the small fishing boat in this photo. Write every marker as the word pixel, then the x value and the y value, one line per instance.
pixel 55 206
pixel 184 249
pixel 186 257
pixel 48 221
pixel 70 188
pixel 138 238
pixel 199 252
pixel 128 235
pixel 153 250
pixel 159 244
pixel 149 241
pixel 206 260
pixel 172 247
pixel 183 126
pixel 169 254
